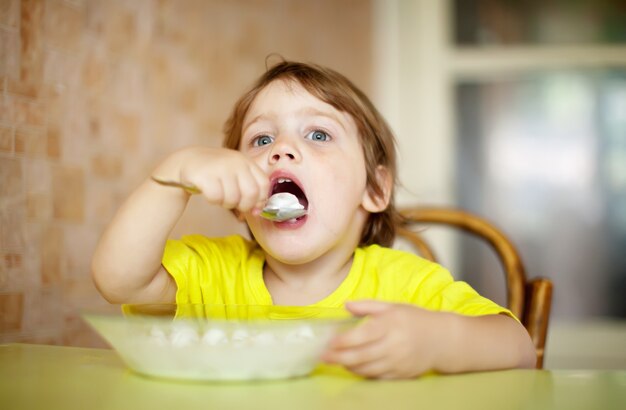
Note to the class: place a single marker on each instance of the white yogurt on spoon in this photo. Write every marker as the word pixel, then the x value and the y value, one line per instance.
pixel 283 206
pixel 283 201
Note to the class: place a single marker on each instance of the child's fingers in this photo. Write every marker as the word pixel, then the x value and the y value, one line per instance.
pixel 212 191
pixel 250 191
pixel 365 333
pixel 262 181
pixel 367 307
pixel 231 192
pixel 372 369
pixel 356 356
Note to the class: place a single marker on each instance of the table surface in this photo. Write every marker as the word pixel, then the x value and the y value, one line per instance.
pixel 50 377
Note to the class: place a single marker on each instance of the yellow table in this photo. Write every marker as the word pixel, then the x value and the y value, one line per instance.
pixel 53 377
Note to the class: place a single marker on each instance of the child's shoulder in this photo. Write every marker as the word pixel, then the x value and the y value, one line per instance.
pixel 390 257
pixel 401 272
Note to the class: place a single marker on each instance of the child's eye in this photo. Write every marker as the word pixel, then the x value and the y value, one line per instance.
pixel 318 135
pixel 262 140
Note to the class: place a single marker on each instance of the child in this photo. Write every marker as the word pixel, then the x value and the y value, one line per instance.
pixel 307 130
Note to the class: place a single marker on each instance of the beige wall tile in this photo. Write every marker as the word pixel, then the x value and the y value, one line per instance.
pixel 29 276
pixel 79 243
pixel 68 193
pixel 38 206
pixel 13 260
pixel 94 73
pixel 37 175
pixel 21 88
pixel 61 67
pixel 120 33
pixel 51 254
pixel 100 203
pixel 28 112
pixel 56 99
pixel 31 142
pixel 31 41
pixel 13 224
pixel 11 178
pixel 12 308
pixel 4 278
pixel 108 166
pixel 43 311
pixel 63 24
pixel 53 143
pixel 128 131
pixel 6 110
pixel 9 53
pixel 10 13
pixel 6 139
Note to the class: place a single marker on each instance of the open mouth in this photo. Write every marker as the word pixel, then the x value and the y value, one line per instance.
pixel 283 184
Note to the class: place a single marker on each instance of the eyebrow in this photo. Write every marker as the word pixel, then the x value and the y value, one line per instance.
pixel 310 111
pixel 307 111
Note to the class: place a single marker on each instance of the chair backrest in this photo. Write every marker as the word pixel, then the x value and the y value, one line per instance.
pixel 530 300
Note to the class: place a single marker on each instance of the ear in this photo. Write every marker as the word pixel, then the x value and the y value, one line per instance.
pixel 377 203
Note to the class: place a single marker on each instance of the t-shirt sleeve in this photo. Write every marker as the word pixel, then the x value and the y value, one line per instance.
pixel 206 269
pixel 437 290
pixel 188 266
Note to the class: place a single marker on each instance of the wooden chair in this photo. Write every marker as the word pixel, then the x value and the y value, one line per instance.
pixel 529 300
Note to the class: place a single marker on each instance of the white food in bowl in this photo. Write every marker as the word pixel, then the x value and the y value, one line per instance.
pixel 219 349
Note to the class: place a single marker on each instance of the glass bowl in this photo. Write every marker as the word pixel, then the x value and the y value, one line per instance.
pixel 220 342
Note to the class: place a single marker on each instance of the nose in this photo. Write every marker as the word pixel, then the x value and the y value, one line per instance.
pixel 284 150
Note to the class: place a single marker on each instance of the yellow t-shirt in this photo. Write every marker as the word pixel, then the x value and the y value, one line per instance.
pixel 229 271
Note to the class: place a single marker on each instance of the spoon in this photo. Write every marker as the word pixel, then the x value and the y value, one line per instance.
pixel 281 215
pixel 191 189
pixel 269 213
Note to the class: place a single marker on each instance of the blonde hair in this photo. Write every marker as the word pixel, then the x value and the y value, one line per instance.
pixel 376 136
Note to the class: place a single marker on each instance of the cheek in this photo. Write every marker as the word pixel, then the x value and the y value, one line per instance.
pixel 345 184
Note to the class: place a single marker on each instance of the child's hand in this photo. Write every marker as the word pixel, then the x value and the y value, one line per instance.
pixel 226 177
pixel 395 341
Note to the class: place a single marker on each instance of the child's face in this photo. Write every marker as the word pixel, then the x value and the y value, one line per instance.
pixel 293 135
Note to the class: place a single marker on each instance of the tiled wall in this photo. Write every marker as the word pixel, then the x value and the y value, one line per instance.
pixel 93 93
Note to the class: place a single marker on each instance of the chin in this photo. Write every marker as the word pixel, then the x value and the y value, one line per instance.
pixel 291 252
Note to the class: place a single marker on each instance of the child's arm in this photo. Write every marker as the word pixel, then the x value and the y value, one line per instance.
pixel 126 266
pixel 404 341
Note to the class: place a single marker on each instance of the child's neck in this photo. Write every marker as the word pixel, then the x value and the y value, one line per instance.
pixel 306 284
